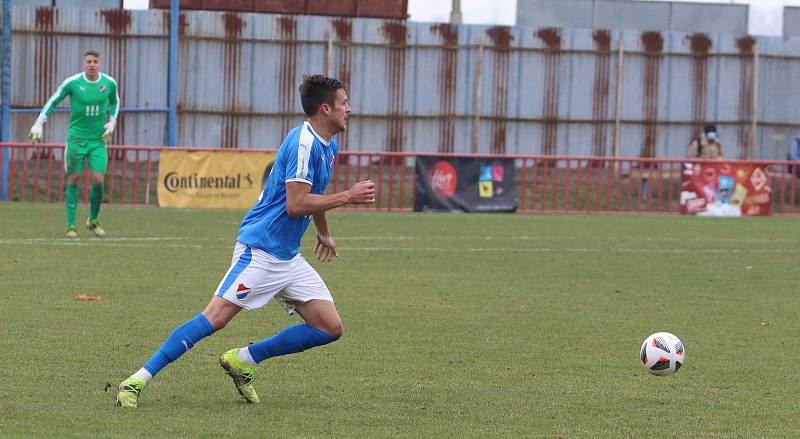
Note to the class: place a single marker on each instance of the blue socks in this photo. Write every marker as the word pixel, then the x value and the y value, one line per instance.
pixel 289 341
pixel 179 342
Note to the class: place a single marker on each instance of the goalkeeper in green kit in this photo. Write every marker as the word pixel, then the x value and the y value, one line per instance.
pixel 91 94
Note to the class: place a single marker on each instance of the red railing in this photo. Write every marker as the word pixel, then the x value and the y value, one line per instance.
pixel 546 184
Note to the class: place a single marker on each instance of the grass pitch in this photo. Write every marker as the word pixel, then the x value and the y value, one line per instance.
pixel 465 326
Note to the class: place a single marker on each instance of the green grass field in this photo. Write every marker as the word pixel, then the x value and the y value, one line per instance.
pixel 456 326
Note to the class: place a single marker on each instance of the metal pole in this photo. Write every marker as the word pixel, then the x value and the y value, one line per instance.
pixel 6 91
pixel 754 122
pixel 618 99
pixel 455 13
pixel 172 74
pixel 476 104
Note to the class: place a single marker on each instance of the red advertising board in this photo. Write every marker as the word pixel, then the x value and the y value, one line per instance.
pixel 725 189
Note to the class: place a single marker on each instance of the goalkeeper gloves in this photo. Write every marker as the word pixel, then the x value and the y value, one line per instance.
pixel 36 130
pixel 109 129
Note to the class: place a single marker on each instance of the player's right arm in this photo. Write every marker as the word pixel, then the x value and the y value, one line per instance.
pixel 296 152
pixel 301 202
pixel 38 127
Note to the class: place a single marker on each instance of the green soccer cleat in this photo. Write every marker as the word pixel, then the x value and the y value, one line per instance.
pixel 95 228
pixel 128 392
pixel 72 232
pixel 242 374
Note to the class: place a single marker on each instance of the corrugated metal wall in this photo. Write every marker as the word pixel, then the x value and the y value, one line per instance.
pixel 420 86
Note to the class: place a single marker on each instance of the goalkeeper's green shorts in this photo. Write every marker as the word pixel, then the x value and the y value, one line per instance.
pixel 79 150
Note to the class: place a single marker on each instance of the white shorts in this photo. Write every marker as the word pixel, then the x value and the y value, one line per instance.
pixel 255 277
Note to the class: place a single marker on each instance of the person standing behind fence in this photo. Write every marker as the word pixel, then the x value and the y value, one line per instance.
pixel 706 145
pixel 91 94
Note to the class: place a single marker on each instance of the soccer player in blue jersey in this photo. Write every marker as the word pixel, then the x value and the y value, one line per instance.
pixel 266 260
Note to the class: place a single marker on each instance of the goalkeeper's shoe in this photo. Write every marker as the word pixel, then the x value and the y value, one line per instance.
pixel 95 228
pixel 72 232
pixel 242 374
pixel 128 392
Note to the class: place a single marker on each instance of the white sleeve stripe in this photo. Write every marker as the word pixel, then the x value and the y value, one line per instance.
pixel 49 103
pixel 304 146
pixel 116 90
pixel 297 180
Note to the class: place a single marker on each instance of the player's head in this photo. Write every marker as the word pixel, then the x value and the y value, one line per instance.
pixel 325 98
pixel 91 62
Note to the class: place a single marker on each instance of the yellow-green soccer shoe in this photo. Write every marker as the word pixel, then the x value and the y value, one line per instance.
pixel 72 233
pixel 242 374
pixel 128 392
pixel 95 228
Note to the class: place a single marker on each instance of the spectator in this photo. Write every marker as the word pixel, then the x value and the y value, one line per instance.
pixel 706 145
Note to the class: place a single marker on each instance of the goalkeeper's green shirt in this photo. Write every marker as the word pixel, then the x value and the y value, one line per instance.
pixel 88 103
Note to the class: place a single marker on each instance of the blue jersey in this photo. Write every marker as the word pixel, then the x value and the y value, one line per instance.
pixel 303 157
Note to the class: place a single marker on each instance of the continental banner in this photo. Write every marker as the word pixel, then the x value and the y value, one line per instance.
pixel 466 184
pixel 211 179
pixel 725 189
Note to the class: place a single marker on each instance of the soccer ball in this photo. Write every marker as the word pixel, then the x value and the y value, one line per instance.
pixel 662 353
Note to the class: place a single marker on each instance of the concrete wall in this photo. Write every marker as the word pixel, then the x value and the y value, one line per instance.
pixel 634 15
pixel 791 21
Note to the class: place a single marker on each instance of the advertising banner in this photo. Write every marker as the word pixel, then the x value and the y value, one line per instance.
pixel 211 179
pixel 466 184
pixel 725 189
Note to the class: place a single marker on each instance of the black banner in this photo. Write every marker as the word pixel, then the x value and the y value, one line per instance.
pixel 466 184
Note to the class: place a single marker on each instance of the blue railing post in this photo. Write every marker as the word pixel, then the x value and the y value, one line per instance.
pixel 172 74
pixel 6 91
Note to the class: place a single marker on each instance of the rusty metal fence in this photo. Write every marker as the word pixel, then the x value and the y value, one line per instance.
pixel 421 87
pixel 545 184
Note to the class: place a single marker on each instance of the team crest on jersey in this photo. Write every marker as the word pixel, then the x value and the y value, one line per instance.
pixel 242 291
pixel 102 88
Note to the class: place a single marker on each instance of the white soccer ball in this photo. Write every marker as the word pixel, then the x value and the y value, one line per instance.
pixel 662 353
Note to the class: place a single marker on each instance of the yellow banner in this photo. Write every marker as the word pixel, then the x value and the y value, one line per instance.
pixel 212 179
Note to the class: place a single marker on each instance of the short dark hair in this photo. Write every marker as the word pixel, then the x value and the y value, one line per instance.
pixel 317 90
pixel 91 52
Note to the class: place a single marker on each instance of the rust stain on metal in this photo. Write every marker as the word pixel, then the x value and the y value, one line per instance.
pixel 551 37
pixel 287 87
pixel 232 55
pixel 600 91
pixel 653 44
pixel 45 54
pixel 233 25
pixel 602 40
pixel 114 59
pixel 501 40
pixel 700 45
pixel 396 32
pixel 118 21
pixel 46 18
pixel 182 23
pixel 746 46
pixel 343 28
pixel 448 75
pixel 344 32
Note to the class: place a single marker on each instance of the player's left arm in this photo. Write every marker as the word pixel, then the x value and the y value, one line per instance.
pixel 325 250
pixel 113 110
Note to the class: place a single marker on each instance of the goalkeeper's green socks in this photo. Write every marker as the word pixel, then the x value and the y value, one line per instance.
pixel 71 199
pixel 95 198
